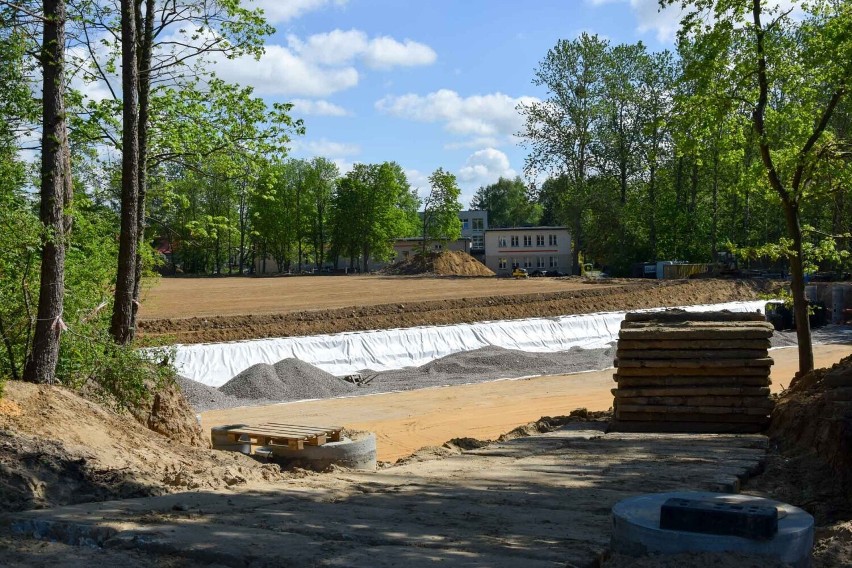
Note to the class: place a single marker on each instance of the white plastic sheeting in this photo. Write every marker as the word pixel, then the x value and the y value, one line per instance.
pixel 214 364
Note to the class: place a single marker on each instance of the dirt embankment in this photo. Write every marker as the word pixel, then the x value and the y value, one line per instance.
pixel 635 295
pixel 58 448
pixel 446 263
pixel 810 458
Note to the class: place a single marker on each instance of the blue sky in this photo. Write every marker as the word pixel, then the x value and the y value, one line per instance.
pixel 426 84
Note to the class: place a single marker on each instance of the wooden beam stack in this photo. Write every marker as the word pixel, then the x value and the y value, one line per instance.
pixel 692 372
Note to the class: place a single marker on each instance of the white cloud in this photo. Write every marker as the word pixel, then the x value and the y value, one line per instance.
pixel 493 117
pixel 321 64
pixel 650 18
pixel 339 47
pixel 486 166
pixel 343 166
pixel 385 53
pixel 666 22
pixel 280 72
pixel 317 108
pixel 285 10
pixel 418 180
pixel 327 148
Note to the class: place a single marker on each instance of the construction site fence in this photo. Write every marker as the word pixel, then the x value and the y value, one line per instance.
pixel 340 354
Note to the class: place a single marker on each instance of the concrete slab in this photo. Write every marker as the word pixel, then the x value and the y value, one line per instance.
pixel 535 501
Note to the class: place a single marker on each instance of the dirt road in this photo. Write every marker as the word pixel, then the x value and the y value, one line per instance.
pixel 407 421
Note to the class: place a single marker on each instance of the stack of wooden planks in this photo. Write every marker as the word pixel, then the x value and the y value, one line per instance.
pixel 274 435
pixel 692 372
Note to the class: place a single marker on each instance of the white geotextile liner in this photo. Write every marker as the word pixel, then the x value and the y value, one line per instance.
pixel 214 364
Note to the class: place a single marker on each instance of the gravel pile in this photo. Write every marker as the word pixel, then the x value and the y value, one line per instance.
pixel 288 379
pixel 203 398
pixel 292 379
pixel 488 364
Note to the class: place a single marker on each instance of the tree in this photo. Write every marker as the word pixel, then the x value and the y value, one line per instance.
pixel 56 194
pixel 125 282
pixel 508 203
pixel 790 76
pixel 168 37
pixel 441 209
pixel 321 177
pixel 559 131
pixel 373 205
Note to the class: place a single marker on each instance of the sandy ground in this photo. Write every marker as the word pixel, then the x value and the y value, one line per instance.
pixel 193 297
pixel 407 421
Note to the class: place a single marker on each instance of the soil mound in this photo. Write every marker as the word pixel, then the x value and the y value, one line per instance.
pixel 58 448
pixel 812 426
pixel 445 263
pixel 288 379
pixel 169 413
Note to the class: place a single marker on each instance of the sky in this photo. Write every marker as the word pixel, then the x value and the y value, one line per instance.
pixel 426 84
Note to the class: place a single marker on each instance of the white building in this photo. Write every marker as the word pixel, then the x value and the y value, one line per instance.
pixel 534 248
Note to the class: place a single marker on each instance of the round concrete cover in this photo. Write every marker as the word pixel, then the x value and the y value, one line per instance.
pixel 636 529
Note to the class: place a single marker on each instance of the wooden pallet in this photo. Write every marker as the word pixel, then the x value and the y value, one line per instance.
pixel 292 436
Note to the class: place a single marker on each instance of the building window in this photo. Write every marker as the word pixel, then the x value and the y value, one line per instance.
pixel 527 240
pixel 477 242
pixel 527 262
pixel 552 240
pixel 478 225
pixel 501 241
pixel 540 260
pixel 539 240
pixel 554 262
pixel 501 263
pixel 514 240
pixel 438 246
pixel 465 224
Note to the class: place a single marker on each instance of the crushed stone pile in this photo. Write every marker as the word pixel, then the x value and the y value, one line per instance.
pixel 292 379
pixel 202 397
pixel 288 379
pixel 445 263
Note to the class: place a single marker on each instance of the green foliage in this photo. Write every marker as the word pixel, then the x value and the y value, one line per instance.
pixel 508 204
pixel 372 206
pixel 441 208
pixel 19 274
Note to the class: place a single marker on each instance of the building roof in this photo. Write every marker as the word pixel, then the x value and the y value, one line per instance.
pixel 547 228
pixel 420 239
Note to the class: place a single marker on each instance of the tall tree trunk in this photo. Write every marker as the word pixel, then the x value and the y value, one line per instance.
pixel 652 198
pixel 56 192
pixel 714 229
pixel 122 314
pixel 145 29
pixel 797 285
pixel 788 200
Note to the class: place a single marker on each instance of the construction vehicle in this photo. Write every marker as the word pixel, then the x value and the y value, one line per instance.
pixel 519 272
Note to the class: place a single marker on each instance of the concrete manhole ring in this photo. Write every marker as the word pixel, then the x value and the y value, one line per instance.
pixel 356 450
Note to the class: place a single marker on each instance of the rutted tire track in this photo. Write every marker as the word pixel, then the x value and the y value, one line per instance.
pixel 640 294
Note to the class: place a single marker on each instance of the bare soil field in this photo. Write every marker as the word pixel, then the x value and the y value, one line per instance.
pixel 229 309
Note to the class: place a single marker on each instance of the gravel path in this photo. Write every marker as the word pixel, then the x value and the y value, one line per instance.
pixel 292 379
